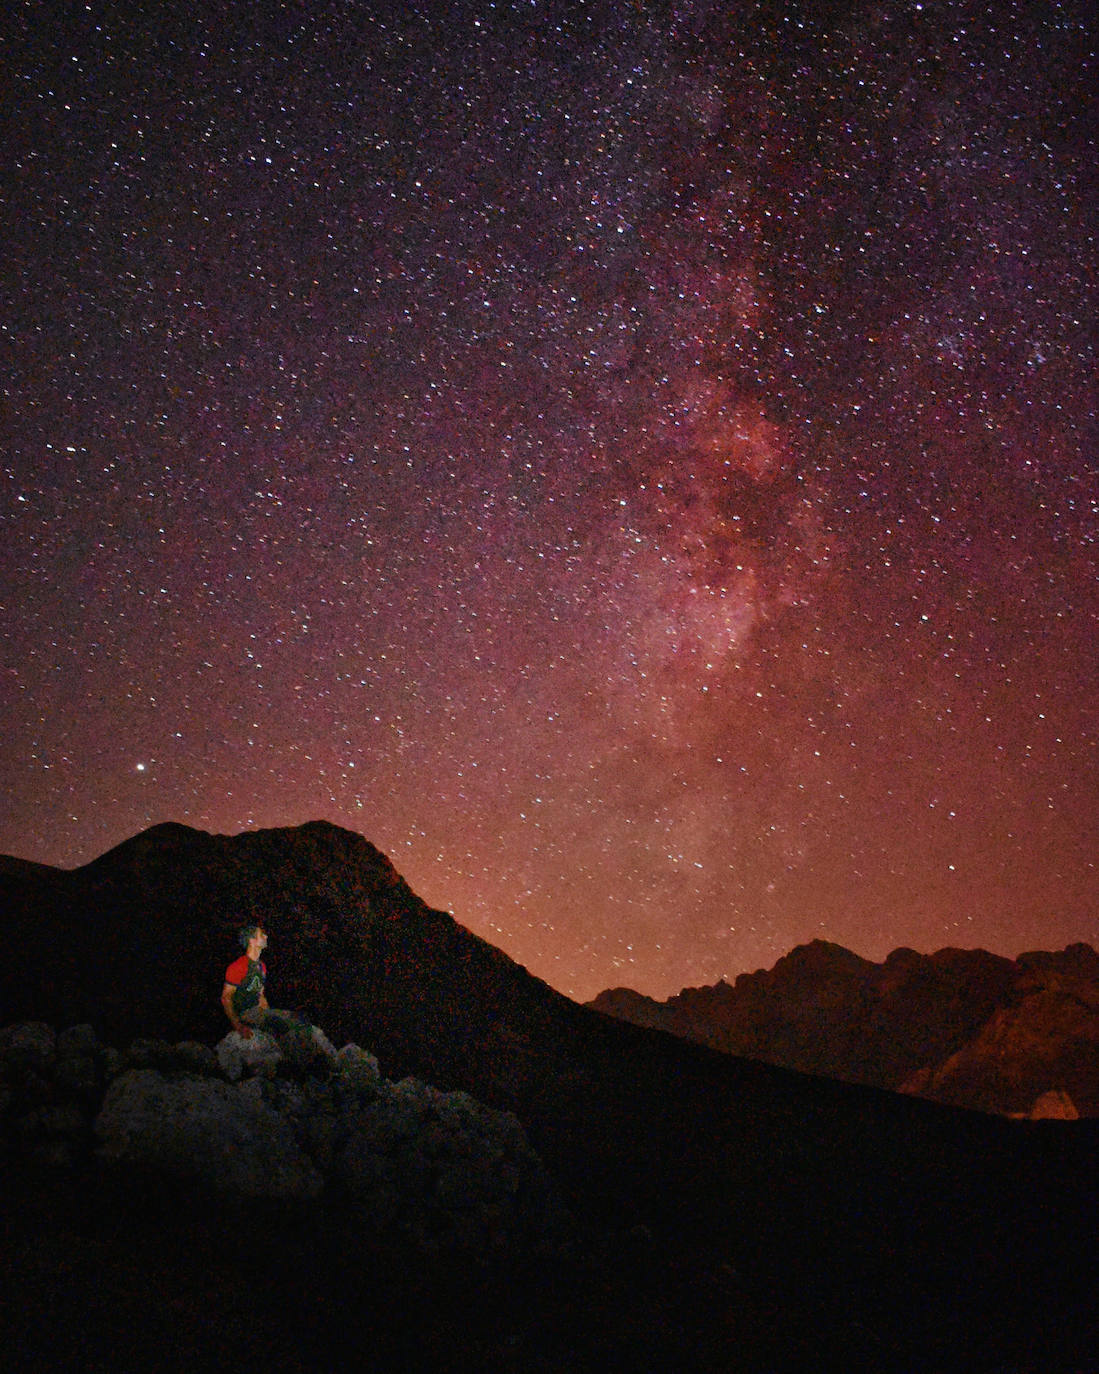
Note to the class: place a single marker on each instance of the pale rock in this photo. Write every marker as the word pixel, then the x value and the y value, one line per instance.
pixel 355 1079
pixel 444 1169
pixel 259 1053
pixel 1055 1105
pixel 197 1127
pixel 357 1070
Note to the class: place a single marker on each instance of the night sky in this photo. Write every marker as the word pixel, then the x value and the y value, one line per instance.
pixel 634 463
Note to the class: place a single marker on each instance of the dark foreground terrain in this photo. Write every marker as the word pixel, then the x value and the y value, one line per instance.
pixel 136 1274
pixel 120 1272
pixel 734 1215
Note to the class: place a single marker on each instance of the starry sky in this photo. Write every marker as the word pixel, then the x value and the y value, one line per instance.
pixel 633 462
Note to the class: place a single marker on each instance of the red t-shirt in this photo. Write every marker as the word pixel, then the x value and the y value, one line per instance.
pixel 248 979
pixel 238 970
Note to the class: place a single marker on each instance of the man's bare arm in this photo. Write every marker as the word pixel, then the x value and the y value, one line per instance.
pixel 234 1020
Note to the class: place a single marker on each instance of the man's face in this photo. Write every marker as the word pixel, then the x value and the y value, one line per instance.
pixel 259 940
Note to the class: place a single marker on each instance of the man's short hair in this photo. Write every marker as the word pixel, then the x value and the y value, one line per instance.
pixel 246 934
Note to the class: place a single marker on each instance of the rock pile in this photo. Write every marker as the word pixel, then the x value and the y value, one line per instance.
pixel 281 1115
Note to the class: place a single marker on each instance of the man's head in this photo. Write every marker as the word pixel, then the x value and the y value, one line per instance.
pixel 253 936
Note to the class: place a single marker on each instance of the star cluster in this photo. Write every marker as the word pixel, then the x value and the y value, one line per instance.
pixel 634 463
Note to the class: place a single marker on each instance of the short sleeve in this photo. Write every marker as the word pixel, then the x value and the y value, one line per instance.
pixel 234 974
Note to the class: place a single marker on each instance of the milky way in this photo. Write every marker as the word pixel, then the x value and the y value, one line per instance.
pixel 633 463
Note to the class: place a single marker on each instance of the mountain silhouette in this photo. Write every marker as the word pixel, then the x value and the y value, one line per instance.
pixel 964 1027
pixel 827 1196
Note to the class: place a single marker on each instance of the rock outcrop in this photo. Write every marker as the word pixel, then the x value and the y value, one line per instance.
pixel 224 1134
pixel 281 1115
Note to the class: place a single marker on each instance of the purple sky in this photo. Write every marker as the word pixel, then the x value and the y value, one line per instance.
pixel 633 463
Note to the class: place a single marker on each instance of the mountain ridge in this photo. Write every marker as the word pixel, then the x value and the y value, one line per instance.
pixel 964 1027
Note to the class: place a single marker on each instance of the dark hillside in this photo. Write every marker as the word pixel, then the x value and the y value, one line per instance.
pixel 930 1226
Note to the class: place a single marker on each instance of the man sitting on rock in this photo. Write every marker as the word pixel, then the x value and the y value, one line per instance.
pixel 264 1035
pixel 243 996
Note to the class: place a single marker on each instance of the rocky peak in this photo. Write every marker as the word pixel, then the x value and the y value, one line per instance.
pixel 962 1026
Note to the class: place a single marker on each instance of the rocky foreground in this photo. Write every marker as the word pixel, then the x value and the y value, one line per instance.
pixel 164 1205
pixel 281 1115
